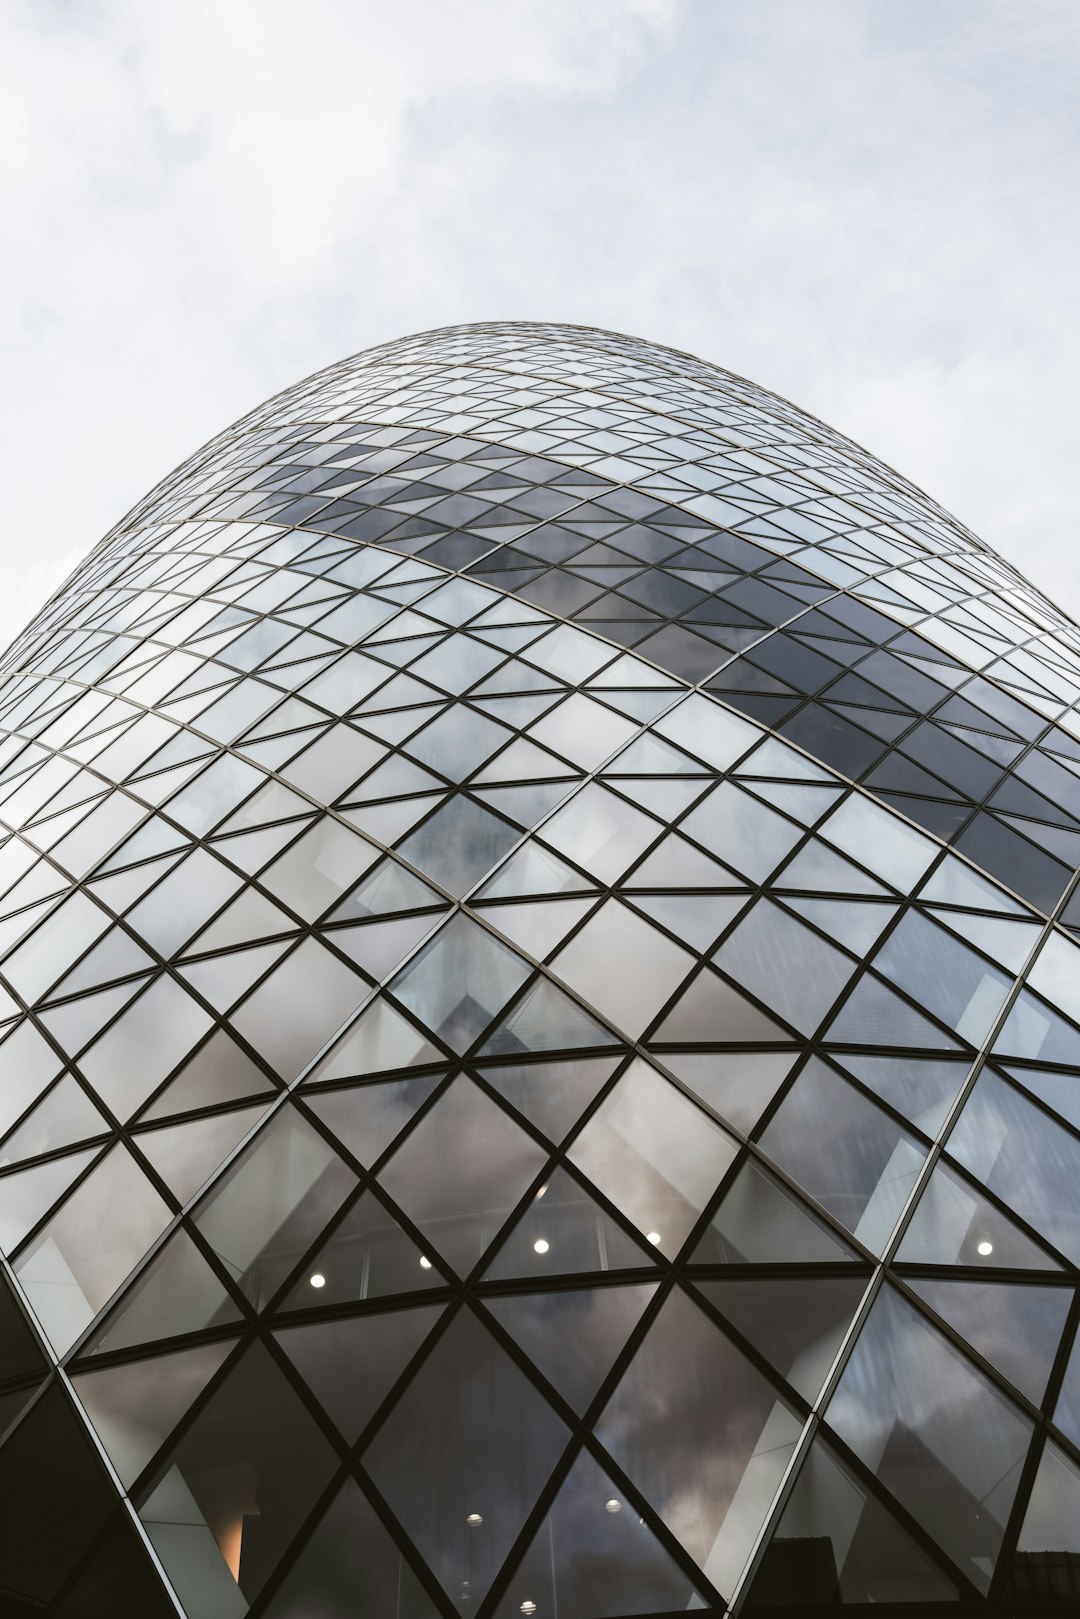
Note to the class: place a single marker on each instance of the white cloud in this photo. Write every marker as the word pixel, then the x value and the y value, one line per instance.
pixel 868 208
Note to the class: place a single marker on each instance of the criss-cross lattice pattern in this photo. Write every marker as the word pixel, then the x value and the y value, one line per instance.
pixel 539 1020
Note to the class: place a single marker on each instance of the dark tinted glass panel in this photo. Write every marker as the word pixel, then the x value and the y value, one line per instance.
pixel 934 1431
pixel 468 1440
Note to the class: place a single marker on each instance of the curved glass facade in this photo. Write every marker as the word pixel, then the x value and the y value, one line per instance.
pixel 539 1020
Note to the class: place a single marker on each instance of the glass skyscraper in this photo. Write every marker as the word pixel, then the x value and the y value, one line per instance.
pixel 539 1021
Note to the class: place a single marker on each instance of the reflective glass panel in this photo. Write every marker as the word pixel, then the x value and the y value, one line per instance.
pixel 934 1430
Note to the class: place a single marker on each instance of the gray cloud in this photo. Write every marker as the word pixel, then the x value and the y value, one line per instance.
pixel 870 208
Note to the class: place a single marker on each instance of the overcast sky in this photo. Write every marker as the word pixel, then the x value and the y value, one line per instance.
pixel 867 205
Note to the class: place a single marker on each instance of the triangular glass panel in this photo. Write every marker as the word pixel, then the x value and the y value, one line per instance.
pixel 63 1117
pixel 1008 940
pixel 176 1293
pixel 954 883
pixel 402 691
pixel 1044 1566
pixel 463 1455
pixel 797 1323
pixel 15 927
pixel 1058 841
pixel 220 1528
pixel 22 1355
pixel 517 711
pixel 395 727
pixel 273 1202
pixel 647 755
pixel 28 1063
pixel 461 1170
pixel 380 1041
pixel 12 1401
pixel 117 956
pixel 532 870
pixel 817 869
pixel 873 1014
pixel 57 1501
pixel 594 1557
pixel 697 919
pixel 351 1565
pixel 573 1336
pixel 546 1019
pixel 367 1118
pixel 921 1088
pixel 154 837
pixel 856 924
pixel 219 1072
pixel 350 1366
pixel 29 1194
pixel 681 1366
pixel 761 1222
pixel 252 916
pixel 134 1407
pixel 400 653
pixel 934 1431
pixel 186 1155
pixel 805 804
pixel 291 715
pixel 737 1085
pixel 955 1224
pixel 222 980
pixel 888 727
pixel 396 777
pixel 459 844
pixel 1017 1327
pixel 675 863
pixel 775 759
pixel 459 981
pixel 639 705
pixel 389 822
pixel 366 1256
pixel 666 797
pixel 710 1011
pixel 1058 1090
pixel 836 1545
pixel 563 1232
pixel 525 805
pixel 378 947
pixel 515 676
pixel 251 850
pixel 77 1022
pixel 654 1154
pixel 628 670
pixel 511 639
pixel 1034 1030
pixel 74 1264
pixel 125 887
pixel 551 1095
pixel 386 891
pixel 537 927
pixel 522 761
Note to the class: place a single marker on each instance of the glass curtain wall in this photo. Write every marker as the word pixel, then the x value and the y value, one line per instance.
pixel 539 1021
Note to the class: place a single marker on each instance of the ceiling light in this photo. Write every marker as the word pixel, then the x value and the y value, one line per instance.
pixel 985 1247
pixel 318 1280
pixel 425 1262
pixel 528 1607
pixel 540 1246
pixel 474 1520
pixel 653 1236
pixel 613 1505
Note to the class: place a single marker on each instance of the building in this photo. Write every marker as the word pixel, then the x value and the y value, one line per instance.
pixel 540 1008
